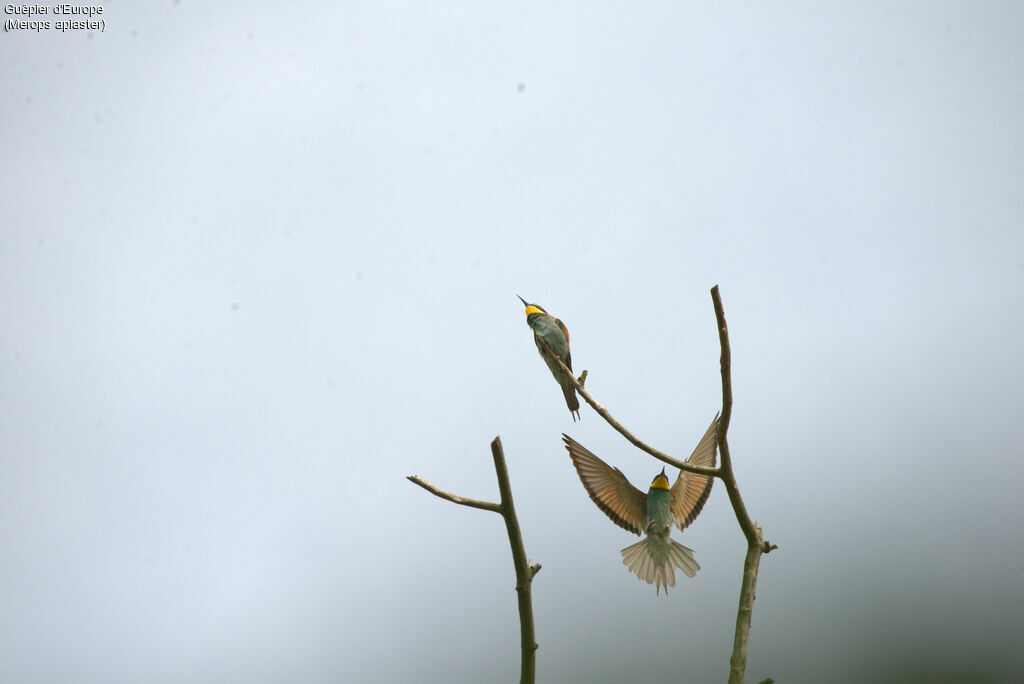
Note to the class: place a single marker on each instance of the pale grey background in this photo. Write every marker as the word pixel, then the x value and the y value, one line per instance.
pixel 259 263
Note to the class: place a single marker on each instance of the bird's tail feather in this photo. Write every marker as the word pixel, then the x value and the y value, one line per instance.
pixel 570 400
pixel 655 558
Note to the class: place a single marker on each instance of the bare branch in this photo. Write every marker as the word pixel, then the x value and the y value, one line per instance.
pixel 751 530
pixel 525 571
pixel 728 478
pixel 610 419
pixel 454 498
pixel 748 591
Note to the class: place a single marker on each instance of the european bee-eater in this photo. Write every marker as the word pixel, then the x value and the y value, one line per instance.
pixel 548 328
pixel 655 558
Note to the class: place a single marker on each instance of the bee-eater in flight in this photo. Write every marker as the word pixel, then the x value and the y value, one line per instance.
pixel 548 328
pixel 655 558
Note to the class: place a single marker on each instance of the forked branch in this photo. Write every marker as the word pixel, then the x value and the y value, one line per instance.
pixel 524 570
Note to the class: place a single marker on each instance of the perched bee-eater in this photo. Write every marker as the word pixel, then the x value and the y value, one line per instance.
pixel 655 558
pixel 548 328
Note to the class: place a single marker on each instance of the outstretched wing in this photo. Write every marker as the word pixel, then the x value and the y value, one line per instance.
pixel 691 490
pixel 608 488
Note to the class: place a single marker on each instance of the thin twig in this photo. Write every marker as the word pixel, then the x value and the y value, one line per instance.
pixel 610 419
pixel 454 498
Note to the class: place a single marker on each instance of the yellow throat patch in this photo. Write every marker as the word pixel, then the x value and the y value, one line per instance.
pixel 660 482
pixel 533 309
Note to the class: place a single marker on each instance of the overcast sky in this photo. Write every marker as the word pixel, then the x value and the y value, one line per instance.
pixel 258 263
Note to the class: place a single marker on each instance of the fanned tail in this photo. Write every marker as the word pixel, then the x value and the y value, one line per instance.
pixel 655 558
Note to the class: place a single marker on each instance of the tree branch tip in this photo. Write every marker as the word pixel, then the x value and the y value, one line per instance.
pixel 768 547
pixel 534 569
